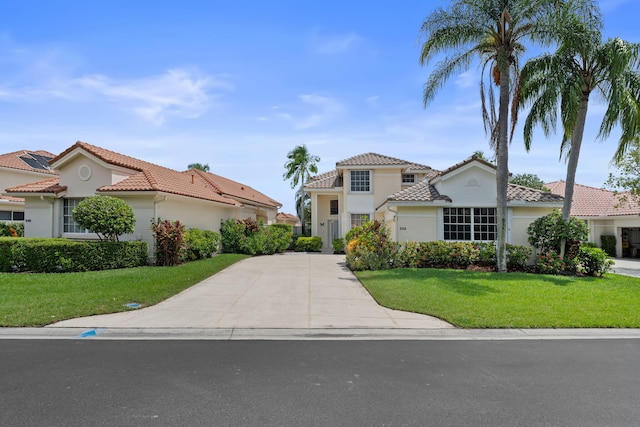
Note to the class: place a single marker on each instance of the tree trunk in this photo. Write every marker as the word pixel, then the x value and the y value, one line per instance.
pixel 572 163
pixel 502 169
pixel 302 208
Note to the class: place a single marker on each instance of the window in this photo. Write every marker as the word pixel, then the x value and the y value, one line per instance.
pixel 68 224
pixel 360 181
pixel 11 216
pixel 333 207
pixel 408 178
pixel 358 219
pixel 470 224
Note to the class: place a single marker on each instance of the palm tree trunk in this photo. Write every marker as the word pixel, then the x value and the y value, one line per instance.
pixel 302 207
pixel 572 163
pixel 502 169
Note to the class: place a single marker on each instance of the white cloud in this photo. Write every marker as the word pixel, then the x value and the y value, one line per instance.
pixel 335 44
pixel 329 109
pixel 178 93
pixel 466 79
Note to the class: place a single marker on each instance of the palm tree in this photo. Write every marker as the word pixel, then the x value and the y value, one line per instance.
pixel 564 81
pixel 199 166
pixel 300 165
pixel 493 31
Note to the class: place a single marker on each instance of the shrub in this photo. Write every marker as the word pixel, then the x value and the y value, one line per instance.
pixel 408 255
pixel 248 237
pixel 547 232
pixel 44 255
pixel 550 263
pixel 11 229
pixel 108 217
pixel 593 261
pixel 609 245
pixel 518 257
pixel 308 244
pixel 169 239
pixel 338 246
pixel 369 247
pixel 200 244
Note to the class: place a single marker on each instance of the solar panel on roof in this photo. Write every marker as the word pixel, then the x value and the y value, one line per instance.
pixel 33 163
pixel 43 160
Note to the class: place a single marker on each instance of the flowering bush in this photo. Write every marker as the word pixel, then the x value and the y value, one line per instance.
pixel 369 247
pixel 550 263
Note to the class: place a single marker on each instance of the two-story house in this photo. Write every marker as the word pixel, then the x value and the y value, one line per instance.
pixel 418 203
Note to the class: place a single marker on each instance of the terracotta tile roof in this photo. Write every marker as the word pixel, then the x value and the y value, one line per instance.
pixel 234 189
pixel 374 159
pixel 286 216
pixel 466 161
pixel 12 199
pixel 326 180
pixel 590 201
pixel 422 192
pixel 151 177
pixel 50 185
pixel 526 194
pixel 24 159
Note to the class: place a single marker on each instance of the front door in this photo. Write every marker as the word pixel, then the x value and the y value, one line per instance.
pixel 334 231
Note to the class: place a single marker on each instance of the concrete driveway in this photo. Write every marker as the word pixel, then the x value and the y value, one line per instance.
pixel 627 266
pixel 279 291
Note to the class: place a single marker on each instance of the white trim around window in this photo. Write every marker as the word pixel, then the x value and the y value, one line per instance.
pixel 360 181
pixel 469 224
pixel 357 219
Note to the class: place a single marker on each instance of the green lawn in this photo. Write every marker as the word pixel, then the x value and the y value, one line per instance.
pixel 40 299
pixel 514 300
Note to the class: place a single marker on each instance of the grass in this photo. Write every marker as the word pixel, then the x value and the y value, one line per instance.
pixel 40 299
pixel 514 300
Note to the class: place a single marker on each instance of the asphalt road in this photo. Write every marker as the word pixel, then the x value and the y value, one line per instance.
pixel 319 383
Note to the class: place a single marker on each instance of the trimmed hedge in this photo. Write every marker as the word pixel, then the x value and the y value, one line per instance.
pixel 200 244
pixel 609 245
pixel 249 237
pixel 44 255
pixel 309 244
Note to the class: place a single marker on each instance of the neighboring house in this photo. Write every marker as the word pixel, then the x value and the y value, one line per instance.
pixel 17 168
pixel 418 203
pixel 197 199
pixel 292 220
pixel 286 218
pixel 606 214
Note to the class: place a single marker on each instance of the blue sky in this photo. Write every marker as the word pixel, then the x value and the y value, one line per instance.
pixel 237 85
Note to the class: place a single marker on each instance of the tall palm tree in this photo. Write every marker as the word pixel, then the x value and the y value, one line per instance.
pixel 492 31
pixel 564 81
pixel 298 168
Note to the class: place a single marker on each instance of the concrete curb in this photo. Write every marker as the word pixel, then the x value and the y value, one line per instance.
pixel 229 334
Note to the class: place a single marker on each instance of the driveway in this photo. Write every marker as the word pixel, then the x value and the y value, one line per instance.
pixel 627 266
pixel 279 291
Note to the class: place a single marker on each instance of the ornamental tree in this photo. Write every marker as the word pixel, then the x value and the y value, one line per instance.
pixel 108 217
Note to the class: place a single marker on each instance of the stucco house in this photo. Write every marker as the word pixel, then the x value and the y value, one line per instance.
pixel 196 198
pixel 418 203
pixel 605 214
pixel 17 168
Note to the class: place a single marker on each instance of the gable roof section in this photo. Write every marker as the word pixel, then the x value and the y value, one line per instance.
pixel 326 180
pixel 590 201
pixel 32 161
pixel 231 188
pixel 375 159
pixel 150 177
pixel 424 191
pixel 466 162
pixel 46 186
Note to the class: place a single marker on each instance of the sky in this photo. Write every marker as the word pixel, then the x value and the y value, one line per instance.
pixel 239 84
